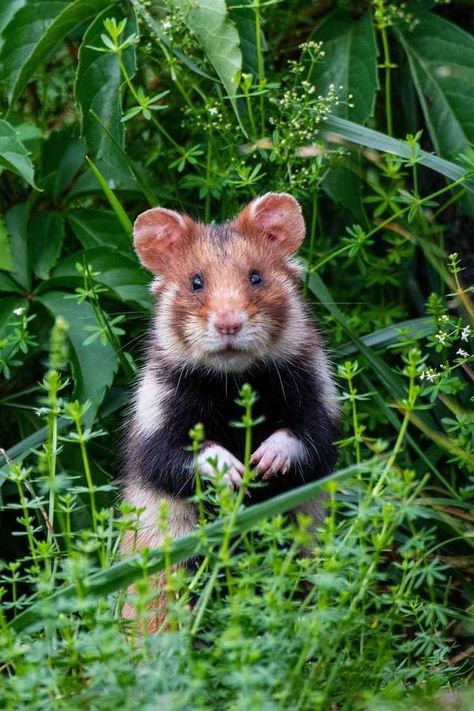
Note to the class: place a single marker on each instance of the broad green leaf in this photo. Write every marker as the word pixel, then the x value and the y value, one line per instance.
pixel 335 128
pixel 6 261
pixel 7 10
pixel 35 32
pixel 121 274
pixel 350 62
pixel 97 90
pixel 343 186
pixel 98 227
pixel 9 285
pixel 16 220
pixel 45 239
pixel 441 57
pixel 13 154
pixel 243 16
pixel 62 157
pixel 442 72
pixel 93 365
pixel 122 574
pixel 210 23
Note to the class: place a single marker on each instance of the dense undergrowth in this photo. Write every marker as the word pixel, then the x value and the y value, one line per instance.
pixel 111 107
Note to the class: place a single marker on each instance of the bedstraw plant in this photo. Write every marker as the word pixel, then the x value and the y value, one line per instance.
pixel 363 111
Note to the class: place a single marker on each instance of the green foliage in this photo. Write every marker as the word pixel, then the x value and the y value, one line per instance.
pixel 108 108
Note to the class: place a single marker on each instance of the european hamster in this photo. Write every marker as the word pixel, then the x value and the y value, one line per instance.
pixel 228 311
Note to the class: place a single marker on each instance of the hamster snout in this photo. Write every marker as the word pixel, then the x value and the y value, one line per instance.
pixel 228 322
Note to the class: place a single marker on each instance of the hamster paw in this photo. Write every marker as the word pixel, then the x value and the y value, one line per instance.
pixel 277 453
pixel 214 457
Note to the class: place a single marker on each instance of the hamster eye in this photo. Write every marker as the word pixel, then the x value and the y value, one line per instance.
pixel 255 278
pixel 197 282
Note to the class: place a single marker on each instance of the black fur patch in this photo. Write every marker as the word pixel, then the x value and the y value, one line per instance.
pixel 290 396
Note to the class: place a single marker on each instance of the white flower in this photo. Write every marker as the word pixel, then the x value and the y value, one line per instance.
pixel 213 111
pixel 441 337
pixel 465 333
pixel 19 311
pixel 166 25
pixel 462 353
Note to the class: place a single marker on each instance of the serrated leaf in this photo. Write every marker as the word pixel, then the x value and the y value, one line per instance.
pixel 13 154
pixel 93 366
pixel 45 239
pixel 210 23
pixel 34 33
pixel 350 62
pixel 97 91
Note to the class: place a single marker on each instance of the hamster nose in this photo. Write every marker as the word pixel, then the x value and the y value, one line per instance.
pixel 228 323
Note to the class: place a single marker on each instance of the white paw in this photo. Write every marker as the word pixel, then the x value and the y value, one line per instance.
pixel 277 453
pixel 216 457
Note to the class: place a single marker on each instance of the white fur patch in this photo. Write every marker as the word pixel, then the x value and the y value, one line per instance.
pixel 149 403
pixel 277 453
pixel 222 460
pixel 330 394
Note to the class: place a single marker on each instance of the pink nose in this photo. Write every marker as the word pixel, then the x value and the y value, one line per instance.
pixel 228 323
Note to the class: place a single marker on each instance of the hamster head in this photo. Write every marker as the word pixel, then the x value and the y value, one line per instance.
pixel 227 295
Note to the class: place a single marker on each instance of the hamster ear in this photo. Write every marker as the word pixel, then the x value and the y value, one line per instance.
pixel 157 233
pixel 276 217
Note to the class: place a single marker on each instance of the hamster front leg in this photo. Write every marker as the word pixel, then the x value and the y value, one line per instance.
pixel 278 453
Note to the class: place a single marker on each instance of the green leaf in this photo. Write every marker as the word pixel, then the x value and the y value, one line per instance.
pixel 210 23
pixel 45 239
pixel 122 574
pixel 34 33
pixel 62 157
pixel 111 197
pixel 121 274
pixel 441 58
pixel 98 227
pixel 350 61
pixel 335 128
pixel 6 261
pixel 413 328
pixel 97 91
pixel 16 220
pixel 13 154
pixel 7 11
pixel 94 365
pixel 343 186
pixel 243 16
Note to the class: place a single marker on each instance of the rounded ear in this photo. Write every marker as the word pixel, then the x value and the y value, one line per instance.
pixel 157 233
pixel 276 217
